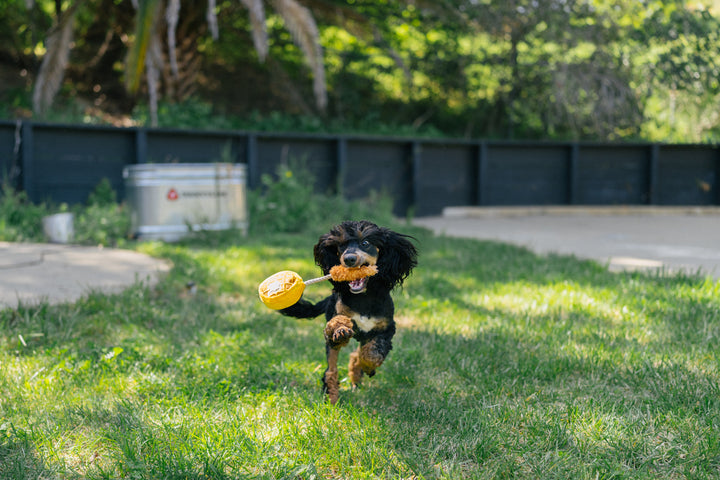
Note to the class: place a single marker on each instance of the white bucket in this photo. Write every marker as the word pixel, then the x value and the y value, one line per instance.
pixel 59 227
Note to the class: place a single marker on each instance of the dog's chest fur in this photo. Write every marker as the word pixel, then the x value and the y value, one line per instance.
pixel 365 323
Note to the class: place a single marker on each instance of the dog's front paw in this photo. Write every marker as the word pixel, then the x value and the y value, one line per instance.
pixel 338 331
pixel 342 335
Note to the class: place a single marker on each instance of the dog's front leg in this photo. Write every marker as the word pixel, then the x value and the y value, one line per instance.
pixel 331 385
pixel 338 332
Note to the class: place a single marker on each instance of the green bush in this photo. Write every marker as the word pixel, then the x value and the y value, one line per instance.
pixel 289 203
pixel 103 221
pixel 20 219
pixel 285 203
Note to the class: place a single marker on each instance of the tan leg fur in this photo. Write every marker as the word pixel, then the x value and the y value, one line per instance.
pixel 338 331
pixel 364 360
pixel 331 377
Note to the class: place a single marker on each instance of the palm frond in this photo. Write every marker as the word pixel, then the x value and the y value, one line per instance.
pixel 172 14
pixel 145 26
pixel 57 55
pixel 301 24
pixel 256 10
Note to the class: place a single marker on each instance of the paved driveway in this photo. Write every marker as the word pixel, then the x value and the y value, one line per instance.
pixel 35 272
pixel 623 238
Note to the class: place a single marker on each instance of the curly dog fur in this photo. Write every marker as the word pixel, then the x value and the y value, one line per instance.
pixel 360 309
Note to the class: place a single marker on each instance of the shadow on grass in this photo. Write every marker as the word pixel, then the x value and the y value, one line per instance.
pixel 18 458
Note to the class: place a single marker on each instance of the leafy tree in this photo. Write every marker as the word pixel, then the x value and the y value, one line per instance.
pixel 681 67
pixel 571 69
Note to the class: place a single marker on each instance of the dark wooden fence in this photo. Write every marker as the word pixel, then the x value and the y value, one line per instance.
pixel 64 163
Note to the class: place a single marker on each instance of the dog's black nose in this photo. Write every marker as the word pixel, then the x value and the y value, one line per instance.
pixel 350 259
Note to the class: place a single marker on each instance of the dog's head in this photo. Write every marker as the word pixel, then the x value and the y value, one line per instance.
pixel 357 244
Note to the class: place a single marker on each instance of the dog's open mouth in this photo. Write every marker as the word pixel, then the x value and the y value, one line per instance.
pixel 358 286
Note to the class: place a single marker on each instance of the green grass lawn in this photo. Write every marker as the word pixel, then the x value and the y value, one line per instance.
pixel 506 365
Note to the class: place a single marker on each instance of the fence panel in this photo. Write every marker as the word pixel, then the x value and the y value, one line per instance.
pixel 534 174
pixel 447 176
pixel 686 176
pixel 613 175
pixel 381 167
pixel 65 164
pixel 178 146
pixel 318 155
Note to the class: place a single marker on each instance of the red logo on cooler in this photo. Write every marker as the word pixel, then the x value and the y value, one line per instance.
pixel 172 194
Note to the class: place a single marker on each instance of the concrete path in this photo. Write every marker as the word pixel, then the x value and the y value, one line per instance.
pixel 673 238
pixel 32 273
pixel 623 238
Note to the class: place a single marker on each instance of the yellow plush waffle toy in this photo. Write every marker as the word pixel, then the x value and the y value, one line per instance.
pixel 285 288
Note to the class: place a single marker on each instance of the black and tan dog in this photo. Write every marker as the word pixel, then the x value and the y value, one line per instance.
pixel 360 309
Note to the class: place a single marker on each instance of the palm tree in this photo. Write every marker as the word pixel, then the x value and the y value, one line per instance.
pixel 145 54
pixel 57 52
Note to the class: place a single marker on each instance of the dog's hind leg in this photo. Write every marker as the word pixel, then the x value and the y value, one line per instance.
pixel 367 358
pixel 355 369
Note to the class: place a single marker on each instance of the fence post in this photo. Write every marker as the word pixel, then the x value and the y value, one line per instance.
pixel 252 161
pixel 573 174
pixel 717 175
pixel 481 157
pixel 341 165
pixel 141 146
pixel 27 164
pixel 416 153
pixel 652 173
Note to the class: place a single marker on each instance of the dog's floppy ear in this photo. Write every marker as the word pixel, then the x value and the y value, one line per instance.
pixel 398 257
pixel 326 252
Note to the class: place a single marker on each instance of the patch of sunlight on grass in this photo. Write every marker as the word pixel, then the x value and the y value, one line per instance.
pixel 584 307
pixel 21 369
pixel 596 429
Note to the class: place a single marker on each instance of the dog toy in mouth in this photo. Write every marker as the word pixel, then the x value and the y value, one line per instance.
pixel 285 288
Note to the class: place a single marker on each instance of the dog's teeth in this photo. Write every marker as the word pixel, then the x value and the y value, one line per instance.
pixel 357 284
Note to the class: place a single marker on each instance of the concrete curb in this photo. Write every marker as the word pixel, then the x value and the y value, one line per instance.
pixel 579 210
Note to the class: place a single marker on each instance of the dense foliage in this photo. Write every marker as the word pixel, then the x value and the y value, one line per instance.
pixel 582 69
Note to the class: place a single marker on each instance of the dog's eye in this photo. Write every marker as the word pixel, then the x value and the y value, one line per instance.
pixel 364 243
